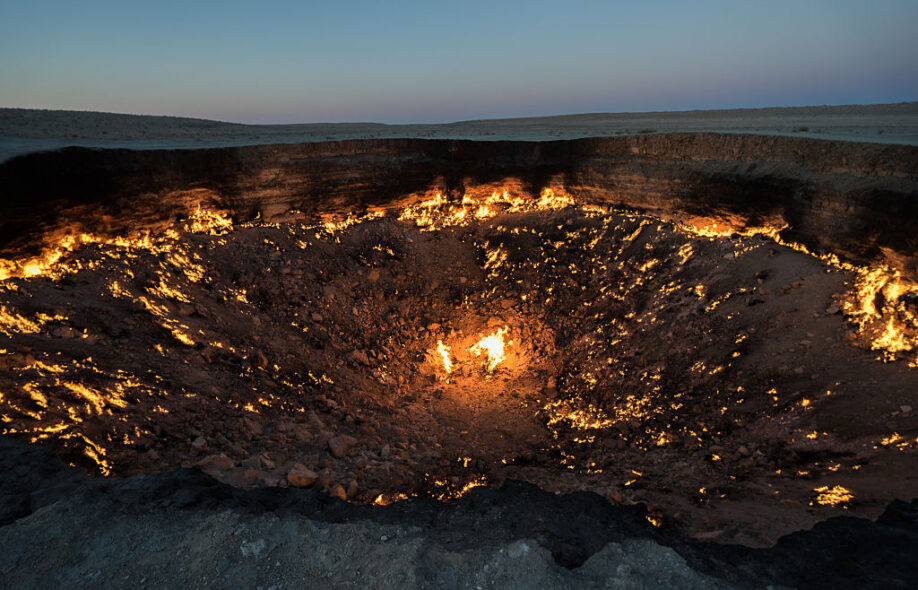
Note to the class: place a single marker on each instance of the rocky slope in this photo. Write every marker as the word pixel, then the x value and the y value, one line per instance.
pixel 184 529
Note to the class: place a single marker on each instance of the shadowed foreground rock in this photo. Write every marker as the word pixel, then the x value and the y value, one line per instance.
pixel 184 529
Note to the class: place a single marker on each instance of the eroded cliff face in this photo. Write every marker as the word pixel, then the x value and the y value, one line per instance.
pixel 855 200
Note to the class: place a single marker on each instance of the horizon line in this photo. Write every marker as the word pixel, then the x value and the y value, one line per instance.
pixel 461 121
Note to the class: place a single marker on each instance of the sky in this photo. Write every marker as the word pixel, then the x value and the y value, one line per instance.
pixel 432 61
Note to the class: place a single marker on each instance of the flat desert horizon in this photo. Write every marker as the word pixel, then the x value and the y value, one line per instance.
pixel 24 130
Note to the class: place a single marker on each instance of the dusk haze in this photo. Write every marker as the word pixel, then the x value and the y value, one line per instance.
pixel 414 62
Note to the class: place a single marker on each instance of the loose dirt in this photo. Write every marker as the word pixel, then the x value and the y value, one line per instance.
pixel 721 379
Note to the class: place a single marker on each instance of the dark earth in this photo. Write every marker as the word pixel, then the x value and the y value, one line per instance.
pixel 632 362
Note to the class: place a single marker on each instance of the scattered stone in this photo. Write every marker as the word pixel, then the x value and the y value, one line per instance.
pixel 266 462
pixel 337 491
pixel 301 433
pixel 252 427
pixel 249 477
pixel 359 356
pixel 301 477
pixel 340 446
pixel 218 462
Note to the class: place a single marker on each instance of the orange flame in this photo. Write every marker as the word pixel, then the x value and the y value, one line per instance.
pixel 444 352
pixel 492 346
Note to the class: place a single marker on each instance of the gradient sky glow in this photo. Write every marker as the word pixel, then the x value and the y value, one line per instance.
pixel 431 61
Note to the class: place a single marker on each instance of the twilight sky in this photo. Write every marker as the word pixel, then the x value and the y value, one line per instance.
pixel 433 61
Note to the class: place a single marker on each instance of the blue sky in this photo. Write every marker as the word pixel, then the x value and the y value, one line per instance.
pixel 349 60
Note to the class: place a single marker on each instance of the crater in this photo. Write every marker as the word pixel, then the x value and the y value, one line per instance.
pixel 739 383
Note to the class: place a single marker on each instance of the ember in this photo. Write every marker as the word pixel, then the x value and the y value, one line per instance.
pixel 455 341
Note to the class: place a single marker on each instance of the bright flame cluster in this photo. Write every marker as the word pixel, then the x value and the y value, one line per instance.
pixel 492 346
pixel 435 211
pixel 444 352
pixel 834 496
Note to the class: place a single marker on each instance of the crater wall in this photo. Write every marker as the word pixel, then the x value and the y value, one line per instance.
pixel 857 200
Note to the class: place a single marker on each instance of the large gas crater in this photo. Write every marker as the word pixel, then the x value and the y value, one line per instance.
pixel 739 384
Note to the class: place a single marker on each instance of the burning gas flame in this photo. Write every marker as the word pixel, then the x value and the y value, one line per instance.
pixel 493 346
pixel 445 355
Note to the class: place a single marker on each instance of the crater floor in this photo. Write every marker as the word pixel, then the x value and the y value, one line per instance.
pixel 725 380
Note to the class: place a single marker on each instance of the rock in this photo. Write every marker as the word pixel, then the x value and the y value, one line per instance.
pixel 373 275
pixel 301 477
pixel 352 488
pixel 337 491
pixel 833 309
pixel 199 444
pixel 249 477
pixel 266 462
pixel 433 326
pixel 905 409
pixel 359 356
pixel 301 433
pixel 65 332
pixel 317 317
pixel 218 462
pixel 269 481
pixel 252 427
pixel 340 446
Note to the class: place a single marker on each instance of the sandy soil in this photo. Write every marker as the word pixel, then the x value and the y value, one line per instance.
pixel 24 130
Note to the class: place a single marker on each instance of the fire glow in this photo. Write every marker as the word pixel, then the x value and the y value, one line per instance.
pixel 492 346
pixel 526 265
pixel 444 352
